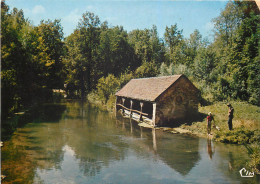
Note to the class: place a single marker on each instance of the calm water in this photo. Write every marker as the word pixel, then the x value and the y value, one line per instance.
pixel 81 144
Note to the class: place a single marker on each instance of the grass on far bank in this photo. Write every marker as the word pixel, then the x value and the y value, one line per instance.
pixel 246 123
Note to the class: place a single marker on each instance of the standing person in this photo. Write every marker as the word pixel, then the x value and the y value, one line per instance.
pixel 210 118
pixel 230 115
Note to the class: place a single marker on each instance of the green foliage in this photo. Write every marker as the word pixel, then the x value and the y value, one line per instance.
pixel 254 153
pixel 30 60
pixel 237 47
pixel 115 53
pixel 107 86
pixel 238 136
pixel 226 25
pixel 111 102
pixel 166 70
pixel 147 69
pixel 147 46
pixel 204 64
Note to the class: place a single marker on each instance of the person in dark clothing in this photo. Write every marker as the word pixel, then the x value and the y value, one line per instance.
pixel 210 118
pixel 230 116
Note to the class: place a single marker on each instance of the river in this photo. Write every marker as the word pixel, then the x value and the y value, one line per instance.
pixel 72 142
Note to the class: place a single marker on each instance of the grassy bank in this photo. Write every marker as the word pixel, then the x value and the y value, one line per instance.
pixel 246 128
pixel 246 123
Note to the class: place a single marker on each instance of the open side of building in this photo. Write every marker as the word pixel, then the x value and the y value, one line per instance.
pixel 161 100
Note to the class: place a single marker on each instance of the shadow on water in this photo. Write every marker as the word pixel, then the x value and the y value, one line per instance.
pixel 38 114
pixel 47 113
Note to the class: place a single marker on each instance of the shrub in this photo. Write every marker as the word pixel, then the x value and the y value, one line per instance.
pixel 107 86
pixel 238 136
pixel 254 153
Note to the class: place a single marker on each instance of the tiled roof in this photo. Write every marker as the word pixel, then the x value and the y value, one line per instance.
pixel 147 89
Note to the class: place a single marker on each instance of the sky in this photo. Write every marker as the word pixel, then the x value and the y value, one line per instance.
pixel 134 14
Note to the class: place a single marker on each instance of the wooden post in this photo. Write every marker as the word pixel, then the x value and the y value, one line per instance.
pixel 154 113
pixel 123 110
pixel 141 115
pixel 116 108
pixel 131 106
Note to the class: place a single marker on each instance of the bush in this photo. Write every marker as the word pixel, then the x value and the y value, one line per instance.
pixel 111 102
pixel 238 136
pixel 107 86
pixel 147 69
pixel 254 153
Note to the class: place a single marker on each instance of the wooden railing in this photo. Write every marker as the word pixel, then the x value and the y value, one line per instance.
pixel 133 110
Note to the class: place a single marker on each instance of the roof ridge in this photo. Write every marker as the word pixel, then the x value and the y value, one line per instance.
pixel 158 77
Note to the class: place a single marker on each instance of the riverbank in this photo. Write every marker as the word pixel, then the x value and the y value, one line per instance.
pixel 246 121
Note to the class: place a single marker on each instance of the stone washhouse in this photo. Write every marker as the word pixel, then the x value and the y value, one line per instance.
pixel 159 100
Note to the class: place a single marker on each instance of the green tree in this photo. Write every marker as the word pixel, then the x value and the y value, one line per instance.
pixel 115 53
pixel 204 64
pixel 236 46
pixel 147 69
pixel 147 46
pixel 227 23
pixel 14 60
pixel 89 31
pixel 193 44
pixel 174 44
pixel 83 66
pixel 49 52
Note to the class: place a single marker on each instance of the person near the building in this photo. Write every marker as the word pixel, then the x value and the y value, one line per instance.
pixel 210 118
pixel 230 116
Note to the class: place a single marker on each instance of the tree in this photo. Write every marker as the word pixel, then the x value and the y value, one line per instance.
pixel 193 44
pixel 147 45
pixel 174 44
pixel 236 44
pixel 49 53
pixel 82 54
pixel 140 41
pixel 227 23
pixel 115 53
pixel 14 60
pixel 30 59
pixel 204 64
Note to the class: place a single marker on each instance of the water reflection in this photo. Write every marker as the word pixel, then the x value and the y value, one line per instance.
pixel 210 150
pixel 181 154
pixel 231 161
pixel 154 140
pixel 87 145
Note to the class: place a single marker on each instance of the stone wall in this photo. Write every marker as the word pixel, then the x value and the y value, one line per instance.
pixel 177 103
